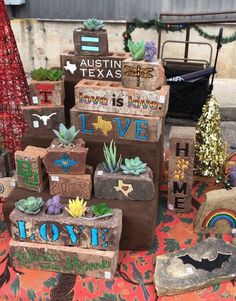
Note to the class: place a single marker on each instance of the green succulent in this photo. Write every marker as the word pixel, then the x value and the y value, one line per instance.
pixel 137 50
pixel 134 167
pixel 54 75
pixel 31 205
pixel 93 24
pixel 111 164
pixel 101 209
pixel 39 74
pixel 66 136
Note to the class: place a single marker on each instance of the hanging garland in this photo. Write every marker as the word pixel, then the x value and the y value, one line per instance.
pixel 159 25
pixel 212 37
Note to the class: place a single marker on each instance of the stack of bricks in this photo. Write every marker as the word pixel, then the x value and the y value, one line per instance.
pixel 64 244
pixel 47 109
pixel 66 167
pixel 111 102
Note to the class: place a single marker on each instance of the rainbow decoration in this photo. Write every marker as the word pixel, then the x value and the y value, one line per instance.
pixel 220 214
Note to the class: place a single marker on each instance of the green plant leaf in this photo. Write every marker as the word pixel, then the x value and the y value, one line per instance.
pixel 51 282
pixel 91 287
pixel 215 287
pixel 15 286
pixel 147 274
pixel 31 295
pixel 155 246
pixel 186 220
pixel 188 241
pixel 171 245
pixel 165 229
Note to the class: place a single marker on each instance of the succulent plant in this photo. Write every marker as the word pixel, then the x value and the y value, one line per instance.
pixel 31 205
pixel 54 205
pixel 54 75
pixel 101 209
pixel 134 167
pixel 66 136
pixel 150 52
pixel 77 207
pixel 111 164
pixel 137 50
pixel 39 74
pixel 93 24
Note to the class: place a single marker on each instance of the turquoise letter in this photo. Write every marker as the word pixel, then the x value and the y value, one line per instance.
pixel 72 234
pixel 121 131
pixel 43 232
pixel 22 230
pixel 83 125
pixel 140 129
pixel 94 237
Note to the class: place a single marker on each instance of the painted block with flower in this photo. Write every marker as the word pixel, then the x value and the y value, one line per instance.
pixel 47 87
pixel 132 180
pixel 92 39
pixel 181 162
pixel 143 71
pixel 66 154
pixel 75 224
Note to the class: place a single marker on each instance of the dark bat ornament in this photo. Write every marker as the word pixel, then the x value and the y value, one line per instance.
pixel 206 264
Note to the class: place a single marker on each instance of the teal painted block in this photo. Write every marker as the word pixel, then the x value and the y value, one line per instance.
pixel 90 48
pixel 90 39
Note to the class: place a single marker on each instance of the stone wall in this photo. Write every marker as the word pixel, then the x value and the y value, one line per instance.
pixel 41 42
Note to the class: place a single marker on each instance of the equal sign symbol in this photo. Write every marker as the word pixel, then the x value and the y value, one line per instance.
pixel 90 40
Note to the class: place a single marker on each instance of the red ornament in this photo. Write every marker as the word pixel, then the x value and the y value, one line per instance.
pixel 14 91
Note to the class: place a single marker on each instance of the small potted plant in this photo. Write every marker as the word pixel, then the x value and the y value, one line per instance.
pixel 92 39
pixel 66 154
pixel 74 224
pixel 77 208
pixel 6 161
pixel 31 205
pixel 143 71
pixel 47 87
pixel 54 206
pixel 132 181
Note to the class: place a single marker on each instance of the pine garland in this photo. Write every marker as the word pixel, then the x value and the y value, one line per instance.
pixel 212 37
pixel 159 25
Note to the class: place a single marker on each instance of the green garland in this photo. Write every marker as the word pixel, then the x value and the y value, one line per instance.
pixel 212 37
pixel 159 25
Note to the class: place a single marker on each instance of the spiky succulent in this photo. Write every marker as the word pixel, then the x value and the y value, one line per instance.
pixel 134 167
pixel 39 74
pixel 77 207
pixel 137 49
pixel 111 164
pixel 54 205
pixel 101 209
pixel 31 205
pixel 93 24
pixel 66 136
pixel 54 74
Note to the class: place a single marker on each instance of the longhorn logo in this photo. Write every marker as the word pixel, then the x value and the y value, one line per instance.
pixel 44 118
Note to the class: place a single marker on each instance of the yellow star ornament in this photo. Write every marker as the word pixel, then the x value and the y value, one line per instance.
pixel 124 188
pixel 103 125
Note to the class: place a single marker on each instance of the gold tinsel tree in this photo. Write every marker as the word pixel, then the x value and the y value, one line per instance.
pixel 209 147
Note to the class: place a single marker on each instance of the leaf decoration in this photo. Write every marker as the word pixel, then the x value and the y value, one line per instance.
pixel 171 245
pixel 15 286
pixel 186 220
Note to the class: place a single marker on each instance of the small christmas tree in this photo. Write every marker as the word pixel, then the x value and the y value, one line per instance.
pixel 209 147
